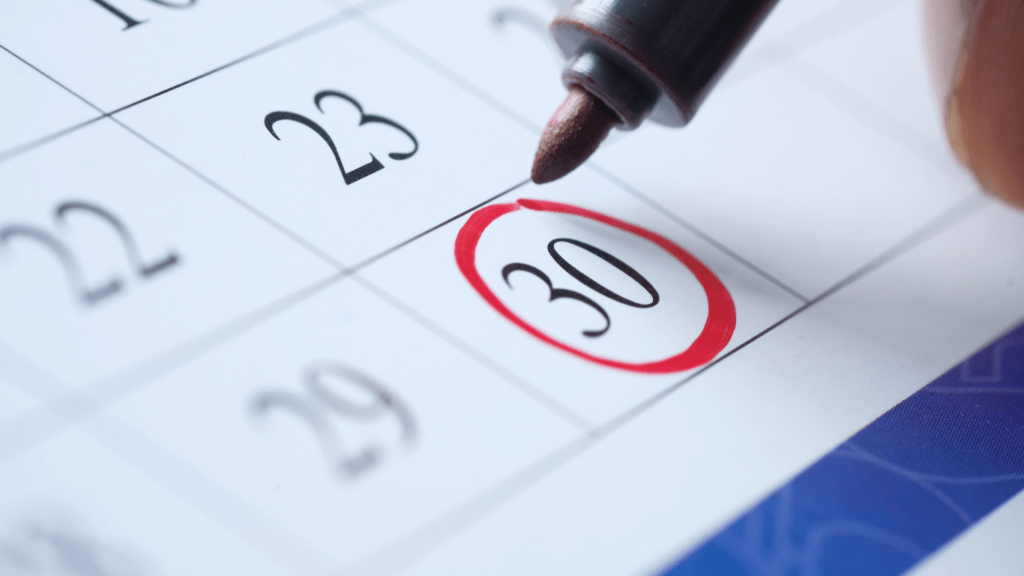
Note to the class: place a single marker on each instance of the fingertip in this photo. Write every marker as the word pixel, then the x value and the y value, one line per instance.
pixel 985 109
pixel 945 22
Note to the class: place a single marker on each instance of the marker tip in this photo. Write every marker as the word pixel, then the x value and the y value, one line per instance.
pixel 572 135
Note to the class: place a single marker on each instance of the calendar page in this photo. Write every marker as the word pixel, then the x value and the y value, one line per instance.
pixel 278 297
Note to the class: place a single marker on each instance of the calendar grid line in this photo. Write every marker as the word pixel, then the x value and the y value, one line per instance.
pixel 78 406
pixel 28 376
pixel 359 13
pixel 562 411
pixel 957 213
pixel 114 387
pixel 309 246
pixel 68 400
pixel 26 146
pixel 400 245
pixel 52 79
pixel 22 431
pixel 363 7
pixel 567 414
pixel 476 509
pixel 809 27
pixel 408 548
pixel 157 382
pixel 867 112
pixel 488 498
pixel 207 496
pixel 73 408
pixel 81 410
pixel 325 24
pixel 790 46
pixel 48 417
pixel 791 53
pixel 498 106
pixel 833 22
pixel 545 467
pixel 281 228
pixel 57 409
pixel 343 15
pixel 596 167
pixel 447 73
pixel 436 530
pixel 810 34
pixel 465 85
pixel 43 140
pixel 349 13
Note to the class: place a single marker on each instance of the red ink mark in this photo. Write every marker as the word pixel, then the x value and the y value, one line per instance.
pixel 718 328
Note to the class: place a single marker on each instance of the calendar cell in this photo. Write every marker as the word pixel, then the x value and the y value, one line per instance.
pixel 277 295
pixel 585 292
pixel 110 254
pixel 13 400
pixel 311 420
pixel 504 48
pixel 700 457
pixel 804 22
pixel 501 48
pixel 792 182
pixel 34 106
pixel 796 27
pixel 115 52
pixel 902 90
pixel 73 507
pixel 353 154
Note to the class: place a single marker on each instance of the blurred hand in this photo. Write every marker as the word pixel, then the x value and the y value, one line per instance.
pixel 976 49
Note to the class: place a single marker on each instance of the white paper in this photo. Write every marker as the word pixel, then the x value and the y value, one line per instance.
pixel 44 109
pixel 694 462
pixel 93 49
pixel 13 401
pixel 227 347
pixel 71 504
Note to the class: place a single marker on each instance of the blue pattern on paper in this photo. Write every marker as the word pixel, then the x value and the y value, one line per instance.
pixel 898 490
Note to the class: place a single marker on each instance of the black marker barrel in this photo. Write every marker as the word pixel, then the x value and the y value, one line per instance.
pixel 654 59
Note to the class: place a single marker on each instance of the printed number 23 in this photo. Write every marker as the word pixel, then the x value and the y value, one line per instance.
pixel 357 174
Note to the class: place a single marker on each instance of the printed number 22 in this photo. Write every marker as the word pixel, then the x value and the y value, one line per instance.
pixel 72 268
pixel 363 171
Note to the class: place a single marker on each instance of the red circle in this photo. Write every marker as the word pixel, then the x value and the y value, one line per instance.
pixel 717 330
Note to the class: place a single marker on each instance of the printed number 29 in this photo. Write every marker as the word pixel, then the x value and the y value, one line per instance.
pixel 336 393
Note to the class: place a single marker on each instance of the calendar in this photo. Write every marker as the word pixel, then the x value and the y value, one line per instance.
pixel 278 297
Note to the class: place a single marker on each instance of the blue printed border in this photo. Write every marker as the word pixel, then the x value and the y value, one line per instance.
pixel 898 490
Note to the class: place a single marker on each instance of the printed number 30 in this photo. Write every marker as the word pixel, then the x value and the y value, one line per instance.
pixel 559 293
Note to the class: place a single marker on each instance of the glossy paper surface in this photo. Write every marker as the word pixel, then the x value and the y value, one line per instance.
pixel 277 296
